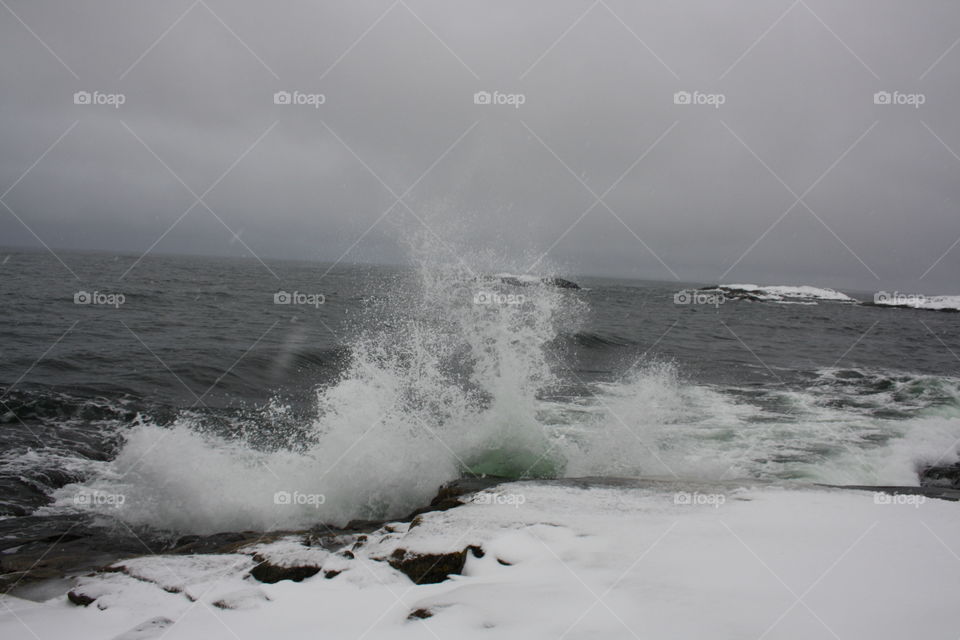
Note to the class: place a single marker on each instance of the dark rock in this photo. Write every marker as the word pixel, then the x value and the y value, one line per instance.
pixel 735 294
pixel 944 476
pixel 80 599
pixel 40 548
pixel 331 539
pixel 871 303
pixel 361 540
pixel 431 568
pixel 550 281
pixel 939 493
pixel 331 574
pixel 448 495
pixel 364 525
pixel 272 573
pixel 561 283
pixel 216 543
pixel 420 614
pixel 37 549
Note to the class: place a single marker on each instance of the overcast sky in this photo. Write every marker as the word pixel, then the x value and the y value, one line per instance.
pixel 798 177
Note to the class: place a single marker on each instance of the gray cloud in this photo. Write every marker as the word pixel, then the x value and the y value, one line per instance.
pixel 718 190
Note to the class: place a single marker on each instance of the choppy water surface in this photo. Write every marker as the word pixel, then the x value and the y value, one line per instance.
pixel 198 400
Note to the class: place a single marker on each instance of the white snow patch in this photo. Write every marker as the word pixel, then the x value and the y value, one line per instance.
pixel 917 301
pixel 780 293
pixel 598 562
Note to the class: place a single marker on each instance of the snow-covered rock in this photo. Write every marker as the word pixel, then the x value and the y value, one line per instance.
pixel 567 559
pixel 781 294
pixel 916 301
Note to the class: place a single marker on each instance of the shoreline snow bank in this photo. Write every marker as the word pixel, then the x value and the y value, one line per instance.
pixel 605 561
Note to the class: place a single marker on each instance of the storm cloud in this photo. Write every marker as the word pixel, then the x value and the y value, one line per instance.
pixel 789 142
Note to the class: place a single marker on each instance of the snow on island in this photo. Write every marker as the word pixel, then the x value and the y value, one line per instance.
pixel 532 560
pixel 916 301
pixel 781 294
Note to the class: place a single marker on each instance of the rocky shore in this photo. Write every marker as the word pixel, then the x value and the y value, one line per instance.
pixel 532 559
pixel 38 550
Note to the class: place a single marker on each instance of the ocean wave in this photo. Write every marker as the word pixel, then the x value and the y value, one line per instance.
pixel 442 383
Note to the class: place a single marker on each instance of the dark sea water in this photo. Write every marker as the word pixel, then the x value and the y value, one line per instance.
pixel 189 405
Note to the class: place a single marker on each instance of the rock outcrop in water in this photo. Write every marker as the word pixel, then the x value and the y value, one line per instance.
pixel 814 295
pixel 781 294
pixel 941 476
pixel 526 281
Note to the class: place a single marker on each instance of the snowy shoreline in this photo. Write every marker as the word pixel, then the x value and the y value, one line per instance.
pixel 547 558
